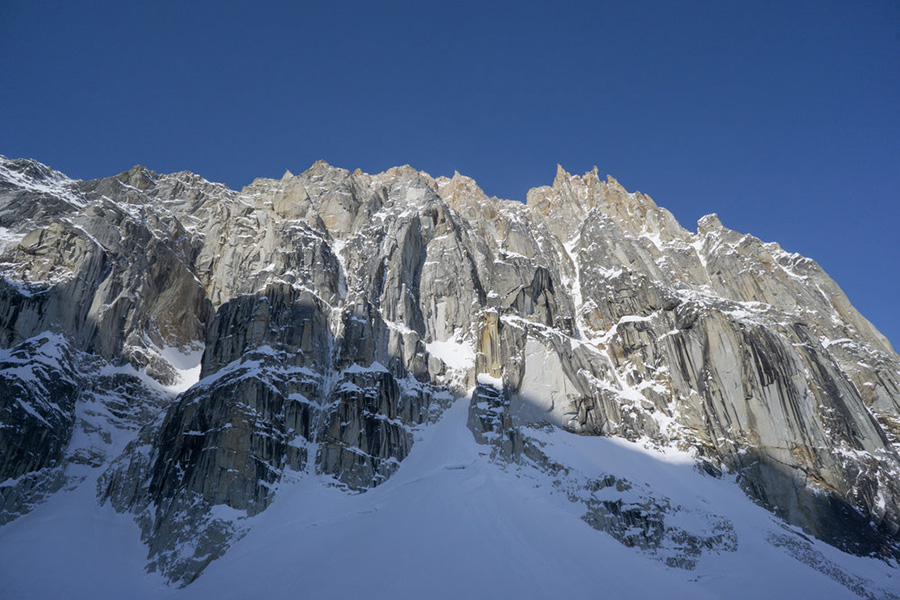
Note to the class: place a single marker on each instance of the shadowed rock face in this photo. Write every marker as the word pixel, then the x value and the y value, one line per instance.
pixel 38 388
pixel 339 310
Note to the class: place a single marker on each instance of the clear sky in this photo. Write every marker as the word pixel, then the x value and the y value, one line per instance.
pixel 783 117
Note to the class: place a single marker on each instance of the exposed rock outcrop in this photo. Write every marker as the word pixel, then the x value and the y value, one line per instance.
pixel 339 311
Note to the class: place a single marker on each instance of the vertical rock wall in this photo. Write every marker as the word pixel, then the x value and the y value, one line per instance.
pixel 339 311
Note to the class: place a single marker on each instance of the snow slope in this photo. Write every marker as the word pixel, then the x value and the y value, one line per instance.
pixel 451 523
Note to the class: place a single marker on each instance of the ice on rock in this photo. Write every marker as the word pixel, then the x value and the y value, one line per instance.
pixel 399 370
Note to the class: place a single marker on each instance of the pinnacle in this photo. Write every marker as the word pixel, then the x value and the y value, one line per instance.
pixel 562 176
pixel 709 223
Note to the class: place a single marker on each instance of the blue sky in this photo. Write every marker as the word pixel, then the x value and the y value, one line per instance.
pixel 783 117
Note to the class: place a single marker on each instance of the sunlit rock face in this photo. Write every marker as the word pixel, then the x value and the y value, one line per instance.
pixel 332 313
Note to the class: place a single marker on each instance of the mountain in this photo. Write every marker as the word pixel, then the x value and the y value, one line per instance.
pixel 339 382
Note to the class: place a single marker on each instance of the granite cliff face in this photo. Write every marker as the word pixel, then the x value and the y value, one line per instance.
pixel 338 312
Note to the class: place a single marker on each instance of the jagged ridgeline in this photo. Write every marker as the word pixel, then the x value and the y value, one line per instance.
pixel 330 314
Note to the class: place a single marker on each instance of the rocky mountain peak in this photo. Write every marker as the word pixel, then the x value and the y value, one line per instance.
pixel 463 194
pixel 138 177
pixel 709 224
pixel 562 176
pixel 31 169
pixel 315 325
